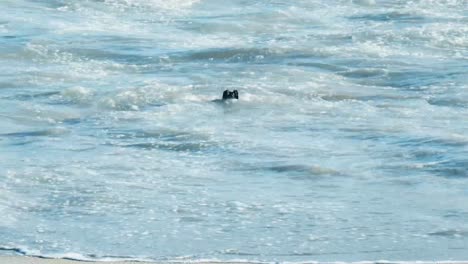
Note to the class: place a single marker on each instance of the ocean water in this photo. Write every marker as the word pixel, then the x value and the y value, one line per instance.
pixel 349 141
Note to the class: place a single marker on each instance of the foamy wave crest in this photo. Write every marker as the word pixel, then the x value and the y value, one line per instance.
pixel 77 94
pixel 452 35
pixel 439 4
pixel 164 4
pixel 154 94
pixel 78 66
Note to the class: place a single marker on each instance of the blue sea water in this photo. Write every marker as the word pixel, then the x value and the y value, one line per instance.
pixel 349 141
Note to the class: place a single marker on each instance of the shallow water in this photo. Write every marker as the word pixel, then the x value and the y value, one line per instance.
pixel 348 142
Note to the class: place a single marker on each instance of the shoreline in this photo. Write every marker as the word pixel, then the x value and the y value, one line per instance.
pixel 44 260
pixel 40 260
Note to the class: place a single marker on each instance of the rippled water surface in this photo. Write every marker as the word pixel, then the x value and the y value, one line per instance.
pixel 349 141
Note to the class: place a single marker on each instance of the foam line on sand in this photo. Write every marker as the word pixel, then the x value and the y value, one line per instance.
pixel 36 260
pixel 39 260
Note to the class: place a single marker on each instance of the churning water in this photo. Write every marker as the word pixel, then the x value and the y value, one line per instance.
pixel 349 141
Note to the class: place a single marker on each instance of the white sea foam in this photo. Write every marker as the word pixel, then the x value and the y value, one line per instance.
pixel 78 94
pixel 156 4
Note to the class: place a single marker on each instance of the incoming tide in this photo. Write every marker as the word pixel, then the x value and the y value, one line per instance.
pixel 348 142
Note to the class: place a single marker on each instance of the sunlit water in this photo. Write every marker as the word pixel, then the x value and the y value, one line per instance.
pixel 349 141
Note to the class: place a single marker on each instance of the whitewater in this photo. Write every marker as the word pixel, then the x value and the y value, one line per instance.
pixel 348 142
